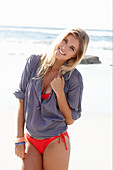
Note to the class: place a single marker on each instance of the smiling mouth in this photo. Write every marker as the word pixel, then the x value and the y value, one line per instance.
pixel 61 52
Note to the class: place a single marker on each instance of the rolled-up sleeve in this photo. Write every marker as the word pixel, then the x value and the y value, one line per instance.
pixel 75 94
pixel 31 62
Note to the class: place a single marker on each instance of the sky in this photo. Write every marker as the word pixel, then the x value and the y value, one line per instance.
pixel 88 14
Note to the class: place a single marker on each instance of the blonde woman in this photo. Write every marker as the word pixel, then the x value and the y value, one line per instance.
pixel 50 94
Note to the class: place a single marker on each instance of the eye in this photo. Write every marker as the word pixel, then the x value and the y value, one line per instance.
pixel 66 40
pixel 72 48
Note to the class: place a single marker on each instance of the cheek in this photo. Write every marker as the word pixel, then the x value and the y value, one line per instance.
pixel 71 53
pixel 69 56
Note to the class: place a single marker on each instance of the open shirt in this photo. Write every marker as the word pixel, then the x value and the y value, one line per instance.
pixel 43 118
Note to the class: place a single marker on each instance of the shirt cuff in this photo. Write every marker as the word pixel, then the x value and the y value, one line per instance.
pixel 75 115
pixel 19 94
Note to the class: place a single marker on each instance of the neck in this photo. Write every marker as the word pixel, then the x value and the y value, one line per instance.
pixel 57 65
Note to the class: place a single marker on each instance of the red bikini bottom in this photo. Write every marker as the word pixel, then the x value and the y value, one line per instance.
pixel 40 145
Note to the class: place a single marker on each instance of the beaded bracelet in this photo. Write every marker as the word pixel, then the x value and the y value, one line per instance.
pixel 17 140
pixel 20 143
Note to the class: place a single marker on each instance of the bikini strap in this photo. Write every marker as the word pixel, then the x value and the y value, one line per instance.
pixel 62 136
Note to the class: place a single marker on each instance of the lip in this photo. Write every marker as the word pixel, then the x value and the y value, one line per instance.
pixel 60 51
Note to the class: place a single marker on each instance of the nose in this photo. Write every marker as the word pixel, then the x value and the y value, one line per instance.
pixel 64 47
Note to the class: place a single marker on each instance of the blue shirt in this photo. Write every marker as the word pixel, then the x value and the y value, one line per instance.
pixel 44 119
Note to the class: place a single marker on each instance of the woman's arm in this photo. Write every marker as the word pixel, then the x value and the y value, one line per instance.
pixel 64 108
pixel 20 149
pixel 58 86
pixel 20 119
pixel 29 69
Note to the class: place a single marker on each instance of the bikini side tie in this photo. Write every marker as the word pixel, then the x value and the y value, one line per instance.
pixel 62 136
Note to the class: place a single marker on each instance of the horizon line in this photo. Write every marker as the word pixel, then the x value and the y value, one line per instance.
pixel 51 27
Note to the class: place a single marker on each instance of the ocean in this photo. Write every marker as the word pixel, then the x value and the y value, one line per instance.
pixel 18 43
pixel 22 41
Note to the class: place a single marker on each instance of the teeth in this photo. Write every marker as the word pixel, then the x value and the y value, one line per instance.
pixel 61 52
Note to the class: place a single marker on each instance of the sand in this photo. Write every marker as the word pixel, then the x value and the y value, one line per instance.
pixel 91 135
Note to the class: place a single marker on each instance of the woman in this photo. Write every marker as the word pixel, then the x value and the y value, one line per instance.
pixel 50 94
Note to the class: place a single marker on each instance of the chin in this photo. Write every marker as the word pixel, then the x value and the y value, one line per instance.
pixel 57 55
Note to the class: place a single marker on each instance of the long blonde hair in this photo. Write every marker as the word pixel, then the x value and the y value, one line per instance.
pixel 48 59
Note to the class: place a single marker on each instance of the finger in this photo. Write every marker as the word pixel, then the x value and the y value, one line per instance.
pixel 62 78
pixel 20 153
pixel 16 152
pixel 59 73
pixel 63 81
pixel 22 156
pixel 59 77
pixel 25 155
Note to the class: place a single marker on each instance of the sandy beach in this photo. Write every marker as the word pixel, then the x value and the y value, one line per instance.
pixel 91 135
pixel 91 142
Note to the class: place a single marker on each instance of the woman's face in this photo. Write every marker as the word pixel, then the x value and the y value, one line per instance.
pixel 67 48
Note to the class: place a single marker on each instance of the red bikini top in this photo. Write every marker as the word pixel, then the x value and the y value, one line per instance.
pixel 45 96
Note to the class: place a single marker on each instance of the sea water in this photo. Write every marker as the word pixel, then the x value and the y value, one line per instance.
pixel 21 41
pixel 18 43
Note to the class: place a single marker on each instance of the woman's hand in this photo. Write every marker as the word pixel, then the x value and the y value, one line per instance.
pixel 20 151
pixel 58 85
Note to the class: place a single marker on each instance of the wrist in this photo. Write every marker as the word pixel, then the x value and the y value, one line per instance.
pixel 20 141
pixel 20 138
pixel 60 93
